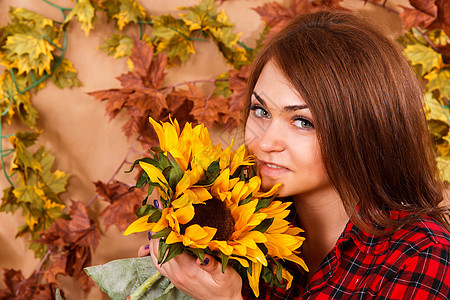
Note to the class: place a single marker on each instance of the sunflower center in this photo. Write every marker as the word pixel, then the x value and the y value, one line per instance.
pixel 213 213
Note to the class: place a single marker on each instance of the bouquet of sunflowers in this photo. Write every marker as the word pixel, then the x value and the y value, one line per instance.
pixel 212 204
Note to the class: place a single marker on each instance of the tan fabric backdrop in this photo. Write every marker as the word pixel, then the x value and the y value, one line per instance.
pixel 85 144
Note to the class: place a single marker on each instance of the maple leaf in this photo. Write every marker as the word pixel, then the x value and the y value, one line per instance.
pixel 118 45
pixel 85 13
pixel 123 11
pixel 65 75
pixel 423 14
pixel 329 4
pixel 271 13
pixel 23 160
pixel 123 203
pixel 202 16
pixel 438 122
pixel 140 94
pixel 20 288
pixel 206 110
pixel 277 16
pixel 439 80
pixel 238 84
pixel 174 36
pixel 425 56
pixel 21 104
pixel 70 243
pixel 30 41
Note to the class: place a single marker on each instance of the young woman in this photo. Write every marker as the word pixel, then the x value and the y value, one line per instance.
pixel 336 115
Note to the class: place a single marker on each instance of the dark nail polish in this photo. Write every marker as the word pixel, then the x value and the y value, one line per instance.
pixel 149 233
pixel 146 247
pixel 156 203
pixel 205 261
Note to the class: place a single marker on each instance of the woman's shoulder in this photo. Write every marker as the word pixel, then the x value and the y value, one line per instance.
pixel 424 232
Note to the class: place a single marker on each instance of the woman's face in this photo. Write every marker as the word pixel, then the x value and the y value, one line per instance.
pixel 280 133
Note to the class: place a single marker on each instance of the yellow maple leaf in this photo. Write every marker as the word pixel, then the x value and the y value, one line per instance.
pixel 130 11
pixel 425 56
pixel 439 80
pixel 85 13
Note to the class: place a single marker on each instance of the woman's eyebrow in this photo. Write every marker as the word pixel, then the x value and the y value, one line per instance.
pixel 289 108
pixel 260 100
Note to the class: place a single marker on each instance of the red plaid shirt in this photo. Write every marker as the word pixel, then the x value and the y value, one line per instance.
pixel 412 263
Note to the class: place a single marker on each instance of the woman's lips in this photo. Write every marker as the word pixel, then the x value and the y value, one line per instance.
pixel 271 169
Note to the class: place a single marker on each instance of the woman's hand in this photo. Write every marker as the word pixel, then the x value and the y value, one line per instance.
pixel 200 281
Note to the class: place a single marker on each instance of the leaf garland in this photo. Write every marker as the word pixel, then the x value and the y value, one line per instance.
pixel 32 50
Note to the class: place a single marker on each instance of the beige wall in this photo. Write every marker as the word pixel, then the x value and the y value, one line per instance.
pixel 86 144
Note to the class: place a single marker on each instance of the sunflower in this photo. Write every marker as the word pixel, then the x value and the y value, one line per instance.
pixel 212 204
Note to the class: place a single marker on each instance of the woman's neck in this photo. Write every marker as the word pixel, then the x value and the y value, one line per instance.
pixel 323 218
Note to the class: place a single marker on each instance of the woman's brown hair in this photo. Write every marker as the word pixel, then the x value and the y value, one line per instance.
pixel 368 110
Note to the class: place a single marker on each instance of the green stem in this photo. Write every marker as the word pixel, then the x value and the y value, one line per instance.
pixel 144 287
pixel 54 5
pixel 169 287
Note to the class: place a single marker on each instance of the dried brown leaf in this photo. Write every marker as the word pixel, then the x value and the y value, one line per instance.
pixel 124 202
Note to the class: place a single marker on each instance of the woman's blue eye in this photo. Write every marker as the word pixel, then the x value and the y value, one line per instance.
pixel 303 123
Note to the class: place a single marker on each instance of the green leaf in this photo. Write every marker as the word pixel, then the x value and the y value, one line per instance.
pixel 439 80
pixel 20 100
pixel 200 253
pixel 224 259
pixel 9 201
pixel 145 210
pixel 174 36
pixel 264 225
pixel 85 13
pixel 174 250
pixel 56 181
pixel 155 216
pixel 222 85
pixel 162 234
pixel 425 56
pixel 130 11
pixel 119 278
pixel 23 161
pixel 118 45
pixel 65 75
pixel 145 159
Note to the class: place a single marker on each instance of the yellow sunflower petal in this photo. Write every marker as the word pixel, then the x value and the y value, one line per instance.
pixel 221 246
pixel 185 214
pixel 173 237
pixel 253 279
pixel 269 193
pixel 155 175
pixel 139 225
pixel 288 276
pixel 201 194
pixel 170 136
pixel 197 236
pixel 225 157
pixel 159 132
pixel 242 261
pixel 298 260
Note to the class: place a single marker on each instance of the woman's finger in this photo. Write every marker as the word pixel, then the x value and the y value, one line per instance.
pixel 144 250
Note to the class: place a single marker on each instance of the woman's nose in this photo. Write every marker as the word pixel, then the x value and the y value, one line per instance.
pixel 272 138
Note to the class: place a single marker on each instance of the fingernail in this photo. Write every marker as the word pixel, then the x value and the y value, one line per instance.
pixel 146 247
pixel 156 203
pixel 205 261
pixel 149 233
